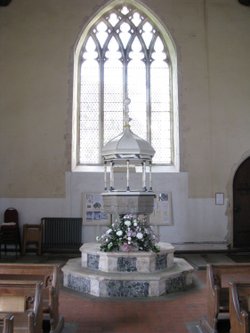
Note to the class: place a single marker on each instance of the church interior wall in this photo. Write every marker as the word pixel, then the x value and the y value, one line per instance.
pixel 37 42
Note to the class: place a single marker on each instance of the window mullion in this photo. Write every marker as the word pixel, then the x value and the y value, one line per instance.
pixel 148 101
pixel 101 108
pixel 171 116
pixel 125 79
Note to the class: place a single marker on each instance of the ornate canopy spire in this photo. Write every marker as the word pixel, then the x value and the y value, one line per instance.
pixel 127 101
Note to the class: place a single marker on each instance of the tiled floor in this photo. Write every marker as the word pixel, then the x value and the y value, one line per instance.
pixel 200 261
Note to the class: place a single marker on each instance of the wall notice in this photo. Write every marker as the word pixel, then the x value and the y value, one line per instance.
pixel 162 214
pixel 93 212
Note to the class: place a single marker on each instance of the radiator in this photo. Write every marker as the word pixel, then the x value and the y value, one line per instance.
pixel 61 234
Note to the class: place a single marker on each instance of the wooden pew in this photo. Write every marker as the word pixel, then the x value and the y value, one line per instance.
pixel 49 274
pixel 6 322
pixel 218 278
pixel 239 307
pixel 24 300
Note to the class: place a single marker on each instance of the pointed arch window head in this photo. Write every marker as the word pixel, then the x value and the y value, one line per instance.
pixel 124 53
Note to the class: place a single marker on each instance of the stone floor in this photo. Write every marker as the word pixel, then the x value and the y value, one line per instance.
pixel 200 260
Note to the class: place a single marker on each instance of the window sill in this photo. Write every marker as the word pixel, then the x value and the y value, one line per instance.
pixel 100 168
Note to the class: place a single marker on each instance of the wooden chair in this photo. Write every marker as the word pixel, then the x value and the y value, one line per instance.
pixel 32 234
pixel 6 323
pixel 9 231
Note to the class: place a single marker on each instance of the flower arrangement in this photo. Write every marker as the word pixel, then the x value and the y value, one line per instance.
pixel 129 233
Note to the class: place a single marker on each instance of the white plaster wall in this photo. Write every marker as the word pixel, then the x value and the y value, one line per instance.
pixel 194 220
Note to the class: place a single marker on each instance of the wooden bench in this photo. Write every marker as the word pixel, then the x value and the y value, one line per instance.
pixel 239 307
pixel 218 278
pixel 24 300
pixel 6 322
pixel 49 274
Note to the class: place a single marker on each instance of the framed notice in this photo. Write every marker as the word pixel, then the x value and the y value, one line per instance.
pixel 162 214
pixel 93 212
pixel 219 198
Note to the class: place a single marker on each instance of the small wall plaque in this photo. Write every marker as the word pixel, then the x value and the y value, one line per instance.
pixel 219 199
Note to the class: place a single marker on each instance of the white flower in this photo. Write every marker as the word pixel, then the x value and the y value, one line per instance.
pixel 127 223
pixel 119 233
pixel 97 238
pixel 135 224
pixel 139 235
pixel 108 231
pixel 129 238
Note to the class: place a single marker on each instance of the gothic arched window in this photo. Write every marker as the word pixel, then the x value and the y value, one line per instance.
pixel 125 52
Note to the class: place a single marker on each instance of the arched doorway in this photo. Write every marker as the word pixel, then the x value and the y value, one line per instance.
pixel 241 206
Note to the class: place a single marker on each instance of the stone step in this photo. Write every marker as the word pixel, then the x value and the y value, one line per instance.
pixel 127 284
